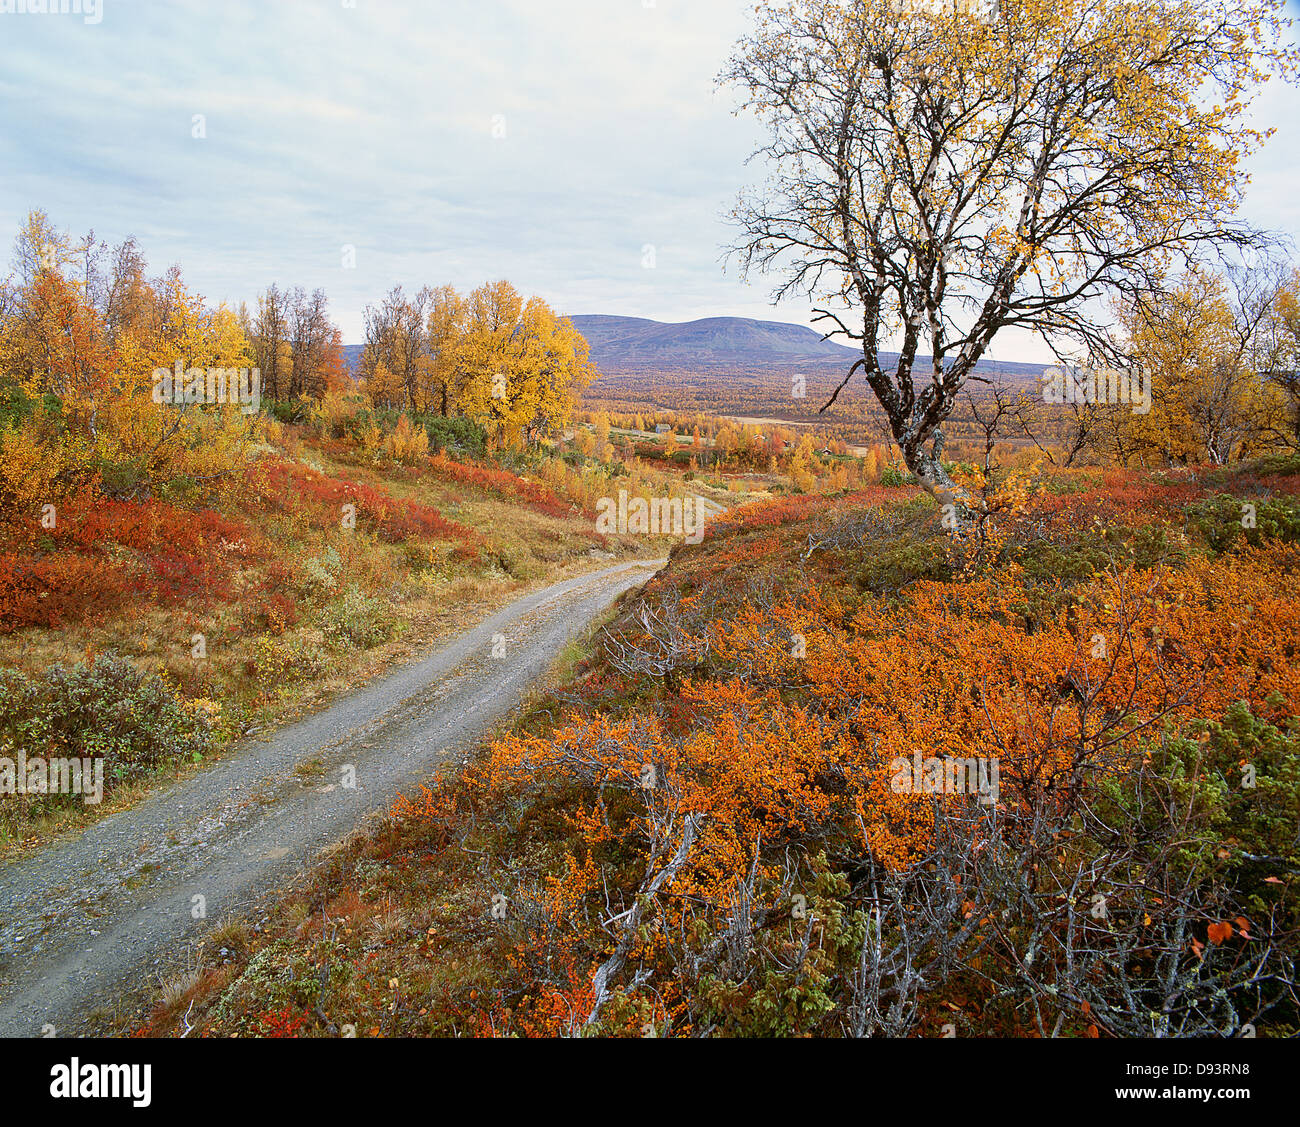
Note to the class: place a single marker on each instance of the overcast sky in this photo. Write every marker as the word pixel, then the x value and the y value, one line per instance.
pixel 549 142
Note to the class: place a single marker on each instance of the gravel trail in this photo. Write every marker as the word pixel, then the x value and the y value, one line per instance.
pixel 86 921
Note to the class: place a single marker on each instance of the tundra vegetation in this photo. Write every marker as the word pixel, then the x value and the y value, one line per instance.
pixel 700 831
pixel 708 823
pixel 176 571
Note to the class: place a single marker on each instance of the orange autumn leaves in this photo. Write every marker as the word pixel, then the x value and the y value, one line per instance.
pixel 1220 932
pixel 782 743
pixel 791 741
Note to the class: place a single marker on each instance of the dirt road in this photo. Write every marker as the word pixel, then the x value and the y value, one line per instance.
pixel 86 920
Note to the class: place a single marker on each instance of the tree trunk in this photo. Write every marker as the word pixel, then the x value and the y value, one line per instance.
pixel 927 465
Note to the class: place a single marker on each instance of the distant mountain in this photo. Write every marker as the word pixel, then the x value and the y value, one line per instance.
pixel 638 346
pixel 627 343
pixel 633 343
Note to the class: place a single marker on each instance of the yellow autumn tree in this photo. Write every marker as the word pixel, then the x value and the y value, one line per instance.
pixel 938 172
pixel 1209 403
pixel 89 336
pixel 522 365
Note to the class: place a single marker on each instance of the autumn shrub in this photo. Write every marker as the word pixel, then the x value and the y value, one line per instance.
pixel 50 590
pixel 87 554
pixel 286 487
pixel 108 709
pixel 179 554
pixel 894 476
pixel 289 410
pixel 1207 819
pixel 285 1022
pixel 408 445
pixel 456 434
pixel 320 574
pixel 277 661
pixel 1075 555
pixel 330 415
pixel 123 477
pixel 1161 905
pixel 1223 520
pixel 421 557
pixel 500 482
pixel 1280 464
pixel 273 613
pixel 898 549
pixel 356 619
pixel 1068 483
pixel 1118 497
pixel 892 567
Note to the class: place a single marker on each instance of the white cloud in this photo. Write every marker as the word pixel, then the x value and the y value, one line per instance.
pixel 372 126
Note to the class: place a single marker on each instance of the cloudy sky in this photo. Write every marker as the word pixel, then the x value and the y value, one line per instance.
pixel 549 142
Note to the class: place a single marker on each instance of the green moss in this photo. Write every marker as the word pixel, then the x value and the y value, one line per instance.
pixel 1076 558
pixel 1223 521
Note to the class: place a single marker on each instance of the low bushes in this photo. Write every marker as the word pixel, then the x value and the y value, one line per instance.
pixel 1222 521
pixel 356 619
pixel 286 487
pixel 106 710
pixel 51 590
pixel 500 482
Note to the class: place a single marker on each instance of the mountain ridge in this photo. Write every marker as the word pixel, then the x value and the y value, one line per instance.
pixel 617 341
pixel 639 346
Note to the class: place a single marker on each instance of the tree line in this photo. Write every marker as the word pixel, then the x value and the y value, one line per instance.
pixel 506 362
pixel 86 326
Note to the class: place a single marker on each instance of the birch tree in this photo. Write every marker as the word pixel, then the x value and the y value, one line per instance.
pixel 940 172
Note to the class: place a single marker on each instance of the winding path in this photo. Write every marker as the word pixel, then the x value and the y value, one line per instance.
pixel 85 921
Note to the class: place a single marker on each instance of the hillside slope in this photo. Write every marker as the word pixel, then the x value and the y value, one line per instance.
pixel 729 822
pixel 244 827
pixel 639 346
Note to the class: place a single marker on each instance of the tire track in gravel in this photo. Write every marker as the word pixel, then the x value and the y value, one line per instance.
pixel 87 920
